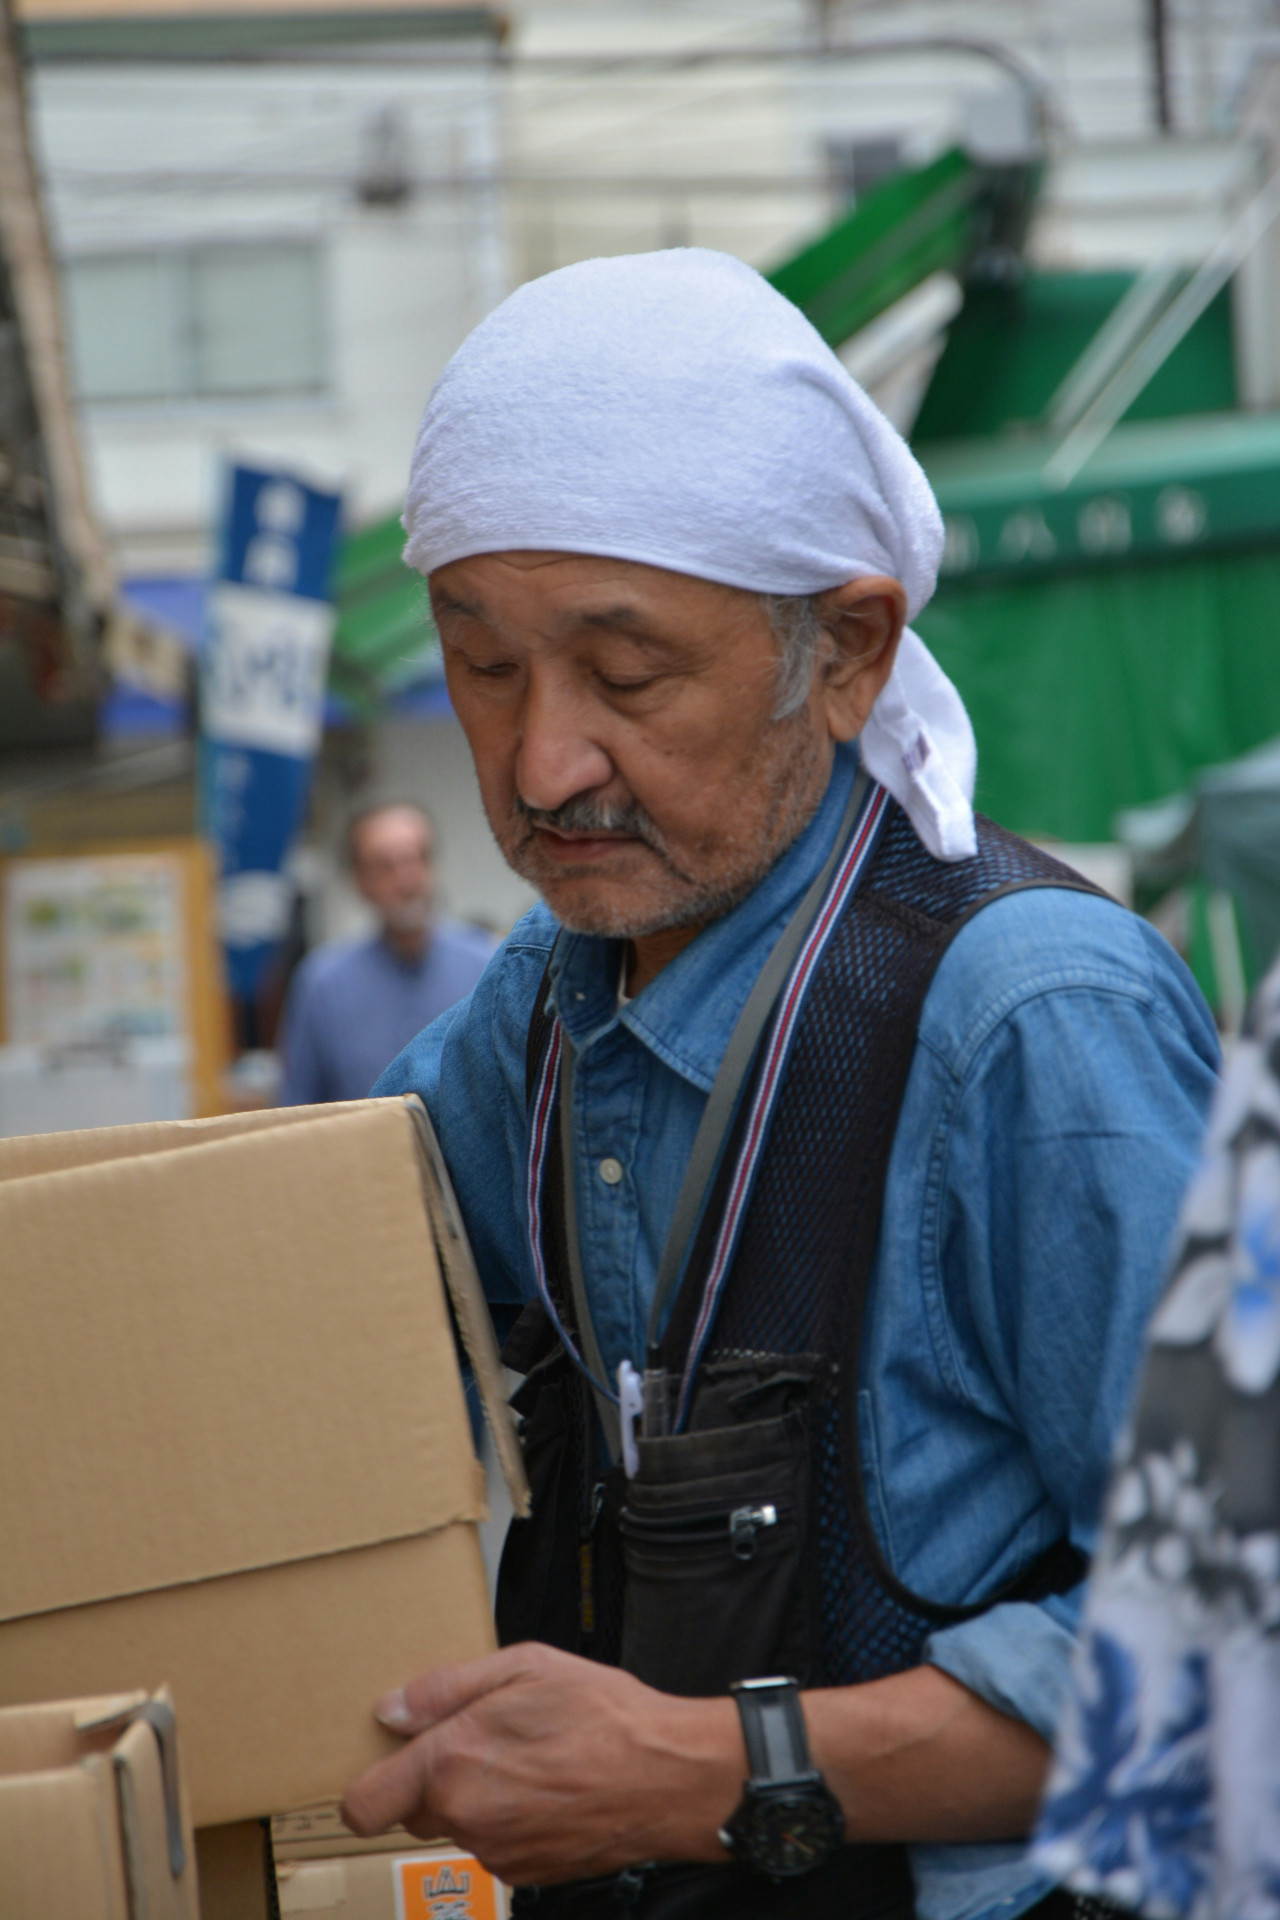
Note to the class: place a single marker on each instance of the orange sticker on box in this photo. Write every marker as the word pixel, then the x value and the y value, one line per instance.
pixel 447 1886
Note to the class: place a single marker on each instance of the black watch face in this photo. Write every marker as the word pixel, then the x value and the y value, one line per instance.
pixel 788 1833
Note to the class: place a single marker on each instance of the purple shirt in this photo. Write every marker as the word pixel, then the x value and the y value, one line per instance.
pixel 352 1008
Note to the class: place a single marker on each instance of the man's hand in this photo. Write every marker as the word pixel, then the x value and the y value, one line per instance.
pixel 549 1768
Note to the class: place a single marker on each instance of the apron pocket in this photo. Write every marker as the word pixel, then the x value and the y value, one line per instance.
pixel 712 1536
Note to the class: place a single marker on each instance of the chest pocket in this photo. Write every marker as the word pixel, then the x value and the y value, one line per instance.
pixel 714 1536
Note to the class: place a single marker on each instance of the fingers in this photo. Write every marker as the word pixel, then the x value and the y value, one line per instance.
pixel 391 1793
pixel 434 1696
pixel 399 1790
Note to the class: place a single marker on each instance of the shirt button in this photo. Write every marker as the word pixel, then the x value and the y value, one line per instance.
pixel 610 1171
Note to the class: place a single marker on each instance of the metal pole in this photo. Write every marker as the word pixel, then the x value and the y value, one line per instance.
pixel 1158 26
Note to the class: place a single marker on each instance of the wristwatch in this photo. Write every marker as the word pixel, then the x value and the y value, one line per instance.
pixel 788 1820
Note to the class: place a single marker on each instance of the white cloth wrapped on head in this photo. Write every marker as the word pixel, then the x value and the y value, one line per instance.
pixel 672 408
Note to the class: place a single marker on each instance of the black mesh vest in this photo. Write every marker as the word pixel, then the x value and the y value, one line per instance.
pixel 794 1304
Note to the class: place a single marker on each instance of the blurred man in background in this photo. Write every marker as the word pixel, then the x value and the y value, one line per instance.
pixel 352 1007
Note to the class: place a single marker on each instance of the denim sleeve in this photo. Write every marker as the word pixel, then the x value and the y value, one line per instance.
pixel 1078 1103
pixel 469 1069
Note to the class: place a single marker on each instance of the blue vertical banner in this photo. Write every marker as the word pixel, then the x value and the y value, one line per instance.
pixel 266 662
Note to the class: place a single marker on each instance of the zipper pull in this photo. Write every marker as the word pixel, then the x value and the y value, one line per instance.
pixel 586 1563
pixel 744 1524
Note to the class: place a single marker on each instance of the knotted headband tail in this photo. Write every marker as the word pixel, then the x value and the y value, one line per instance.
pixel 919 744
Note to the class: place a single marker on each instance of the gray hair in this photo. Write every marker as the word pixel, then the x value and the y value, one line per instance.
pixel 799 631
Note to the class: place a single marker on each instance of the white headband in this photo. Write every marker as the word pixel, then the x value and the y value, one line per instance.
pixel 672 408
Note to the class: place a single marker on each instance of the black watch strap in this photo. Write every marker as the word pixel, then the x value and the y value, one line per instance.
pixel 774 1731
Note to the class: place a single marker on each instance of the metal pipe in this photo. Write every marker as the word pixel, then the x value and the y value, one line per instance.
pixel 1158 28
pixel 1150 353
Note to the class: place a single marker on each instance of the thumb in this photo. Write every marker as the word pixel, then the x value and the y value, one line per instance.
pixel 434 1696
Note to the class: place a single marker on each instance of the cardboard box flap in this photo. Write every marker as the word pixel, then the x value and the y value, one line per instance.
pixel 470 1308
pixel 25 1154
pixel 61 1152
pixel 59 1733
pixel 253 1330
pixel 114 1761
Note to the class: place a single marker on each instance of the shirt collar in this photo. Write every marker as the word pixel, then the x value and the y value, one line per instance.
pixel 687 1014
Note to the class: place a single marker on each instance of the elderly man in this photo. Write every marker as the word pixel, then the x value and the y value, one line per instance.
pixel 826 1141
pixel 353 1005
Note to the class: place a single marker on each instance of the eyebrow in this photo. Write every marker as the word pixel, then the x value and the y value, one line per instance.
pixel 620 617
pixel 625 619
pixel 446 602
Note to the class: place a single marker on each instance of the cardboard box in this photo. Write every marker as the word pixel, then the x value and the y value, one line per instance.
pixel 93 1817
pixel 234 1450
pixel 430 1883
pixel 319 1833
pixel 233 1867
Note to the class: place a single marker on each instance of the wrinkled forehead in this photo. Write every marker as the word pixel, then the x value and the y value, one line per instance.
pixel 593 590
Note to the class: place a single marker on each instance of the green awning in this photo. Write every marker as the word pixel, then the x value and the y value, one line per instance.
pixel 1011 346
pixel 1195 485
pixel 1105 688
pixel 913 224
pixel 385 638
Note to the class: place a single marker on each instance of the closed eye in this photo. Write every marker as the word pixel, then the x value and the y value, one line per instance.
pixel 613 685
pixel 491 670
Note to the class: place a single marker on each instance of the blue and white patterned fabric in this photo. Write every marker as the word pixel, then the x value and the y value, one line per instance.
pixel 1165 1793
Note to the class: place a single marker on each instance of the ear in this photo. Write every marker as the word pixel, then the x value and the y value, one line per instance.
pixel 864 620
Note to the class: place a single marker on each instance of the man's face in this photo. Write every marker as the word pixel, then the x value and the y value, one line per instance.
pixel 394 868
pixel 622 723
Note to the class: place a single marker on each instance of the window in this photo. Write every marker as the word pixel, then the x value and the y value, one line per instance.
pixel 216 322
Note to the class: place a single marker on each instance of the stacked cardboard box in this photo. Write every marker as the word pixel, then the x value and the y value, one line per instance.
pixel 234 1449
pixel 427 1884
pixel 321 1868
pixel 94 1823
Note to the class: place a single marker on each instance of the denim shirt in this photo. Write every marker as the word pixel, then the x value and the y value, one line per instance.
pixel 1055 1102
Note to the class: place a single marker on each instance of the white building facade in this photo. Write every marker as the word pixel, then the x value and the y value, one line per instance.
pixel 270 247
pixel 265 256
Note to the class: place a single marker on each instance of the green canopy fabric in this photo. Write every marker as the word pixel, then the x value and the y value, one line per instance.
pixel 1101 689
pixel 913 224
pixel 385 637
pixel 1012 344
pixel 1189 485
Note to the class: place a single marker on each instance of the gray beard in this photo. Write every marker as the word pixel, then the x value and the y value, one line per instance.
pixel 694 902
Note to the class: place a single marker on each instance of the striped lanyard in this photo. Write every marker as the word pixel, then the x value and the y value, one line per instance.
pixel 810 929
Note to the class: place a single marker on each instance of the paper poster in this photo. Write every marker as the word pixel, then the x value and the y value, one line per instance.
pixel 95 949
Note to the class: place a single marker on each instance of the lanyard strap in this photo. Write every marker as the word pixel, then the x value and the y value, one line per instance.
pixel 784 976
pixel 722 1101
pixel 854 855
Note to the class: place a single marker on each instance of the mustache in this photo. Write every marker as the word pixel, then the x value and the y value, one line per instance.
pixel 585 814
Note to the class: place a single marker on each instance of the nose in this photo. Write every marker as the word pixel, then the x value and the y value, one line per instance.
pixel 558 755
